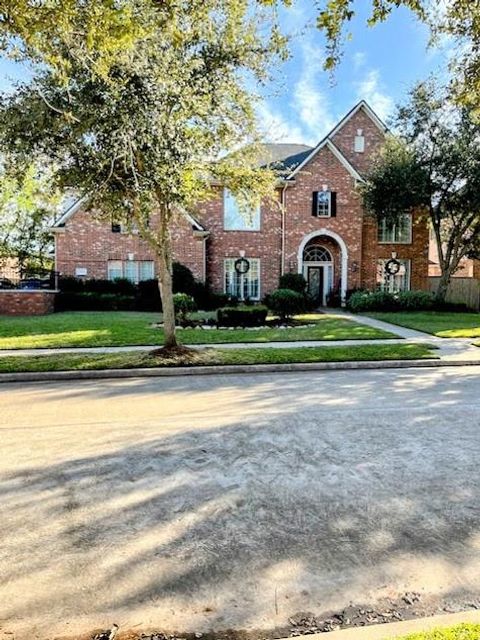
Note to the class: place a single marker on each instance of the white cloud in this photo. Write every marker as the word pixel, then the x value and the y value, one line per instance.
pixel 359 59
pixel 309 101
pixel 370 89
pixel 274 127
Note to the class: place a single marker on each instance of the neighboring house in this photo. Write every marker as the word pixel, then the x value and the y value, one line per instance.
pixel 468 268
pixel 317 227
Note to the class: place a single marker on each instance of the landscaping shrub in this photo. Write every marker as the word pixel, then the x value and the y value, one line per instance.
pixel 415 300
pixel 372 301
pixel 184 304
pixel 182 279
pixel 70 284
pixel 93 301
pixel 293 281
pixel 286 303
pixel 242 316
pixel 148 296
pixel 385 301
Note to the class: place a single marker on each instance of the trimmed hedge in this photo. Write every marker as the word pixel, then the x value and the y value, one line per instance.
pixel 184 304
pixel 242 316
pixel 385 301
pixel 93 301
pixel 293 281
pixel 286 302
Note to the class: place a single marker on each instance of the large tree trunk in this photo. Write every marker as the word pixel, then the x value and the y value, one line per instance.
pixel 443 283
pixel 165 281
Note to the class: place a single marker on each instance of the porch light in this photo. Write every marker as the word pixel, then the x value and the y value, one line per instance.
pixel 394 255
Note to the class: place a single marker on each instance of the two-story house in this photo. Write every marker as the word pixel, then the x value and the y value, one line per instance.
pixel 318 228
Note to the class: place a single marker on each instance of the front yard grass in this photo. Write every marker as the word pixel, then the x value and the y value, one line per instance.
pixel 128 328
pixel 213 356
pixel 444 324
pixel 460 632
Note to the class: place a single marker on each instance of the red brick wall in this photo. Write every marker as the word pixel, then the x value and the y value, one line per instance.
pixel 264 244
pixel 88 241
pixel 374 139
pixel 26 303
pixel 416 252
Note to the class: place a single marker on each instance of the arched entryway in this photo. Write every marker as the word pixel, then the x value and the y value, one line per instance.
pixel 323 261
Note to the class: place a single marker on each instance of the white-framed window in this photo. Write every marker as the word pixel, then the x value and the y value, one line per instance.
pixel 243 286
pixel 122 227
pixel 393 283
pixel 324 204
pixel 236 220
pixel 359 142
pixel 114 269
pixel 398 233
pixel 133 270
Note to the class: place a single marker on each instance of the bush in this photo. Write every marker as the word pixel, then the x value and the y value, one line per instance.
pixel 148 296
pixel 372 301
pixel 415 300
pixel 93 301
pixel 182 279
pixel 385 301
pixel 184 304
pixel 293 281
pixel 242 316
pixel 70 284
pixel 286 302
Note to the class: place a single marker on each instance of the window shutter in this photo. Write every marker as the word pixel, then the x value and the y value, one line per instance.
pixel 116 228
pixel 333 204
pixel 315 204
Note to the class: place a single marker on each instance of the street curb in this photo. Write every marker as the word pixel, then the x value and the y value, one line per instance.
pixel 44 376
pixel 397 630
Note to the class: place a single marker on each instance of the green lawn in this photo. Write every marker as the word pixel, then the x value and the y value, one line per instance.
pixel 213 356
pixel 124 328
pixel 460 632
pixel 444 324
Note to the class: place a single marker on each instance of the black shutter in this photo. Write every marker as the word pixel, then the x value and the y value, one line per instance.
pixel 315 204
pixel 116 228
pixel 333 204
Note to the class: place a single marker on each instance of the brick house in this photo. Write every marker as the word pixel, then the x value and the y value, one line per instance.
pixel 317 228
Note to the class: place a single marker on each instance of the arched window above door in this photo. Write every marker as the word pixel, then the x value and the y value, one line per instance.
pixel 316 253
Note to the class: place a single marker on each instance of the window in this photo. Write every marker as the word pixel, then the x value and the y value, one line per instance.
pixel 243 286
pixel 398 282
pixel 316 253
pixel 132 270
pixel 121 227
pixel 114 269
pixel 398 233
pixel 324 204
pixel 234 219
pixel 359 142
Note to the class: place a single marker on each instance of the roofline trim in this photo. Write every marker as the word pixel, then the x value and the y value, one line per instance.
pixel 326 142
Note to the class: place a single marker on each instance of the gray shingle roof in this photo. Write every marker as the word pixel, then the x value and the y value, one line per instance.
pixel 283 157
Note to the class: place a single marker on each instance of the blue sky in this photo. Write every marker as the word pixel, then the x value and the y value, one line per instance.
pixel 380 65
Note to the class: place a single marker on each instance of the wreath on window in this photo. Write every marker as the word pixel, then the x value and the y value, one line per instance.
pixel 392 267
pixel 242 266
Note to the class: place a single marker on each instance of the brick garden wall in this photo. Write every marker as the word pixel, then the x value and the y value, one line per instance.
pixel 22 302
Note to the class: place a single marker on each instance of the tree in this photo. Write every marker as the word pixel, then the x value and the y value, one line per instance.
pixel 435 168
pixel 144 140
pixel 27 208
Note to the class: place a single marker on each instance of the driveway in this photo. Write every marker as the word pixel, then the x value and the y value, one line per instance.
pixel 216 502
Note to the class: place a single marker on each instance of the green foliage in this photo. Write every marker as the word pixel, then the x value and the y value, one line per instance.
pixel 28 203
pixel 361 301
pixel 293 281
pixel 93 301
pixel 286 303
pixel 184 304
pixel 183 279
pixel 434 169
pixel 242 316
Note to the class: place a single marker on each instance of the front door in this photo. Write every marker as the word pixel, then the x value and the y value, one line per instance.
pixel 315 283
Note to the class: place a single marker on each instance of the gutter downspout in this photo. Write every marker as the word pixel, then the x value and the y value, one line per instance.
pixel 282 249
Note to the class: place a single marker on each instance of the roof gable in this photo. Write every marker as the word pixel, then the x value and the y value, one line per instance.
pixel 327 140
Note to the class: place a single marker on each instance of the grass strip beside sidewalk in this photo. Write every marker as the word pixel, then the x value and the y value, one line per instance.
pixel 211 356
pixel 460 632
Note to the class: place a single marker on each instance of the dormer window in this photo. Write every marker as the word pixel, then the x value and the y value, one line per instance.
pixel 359 142
pixel 324 204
